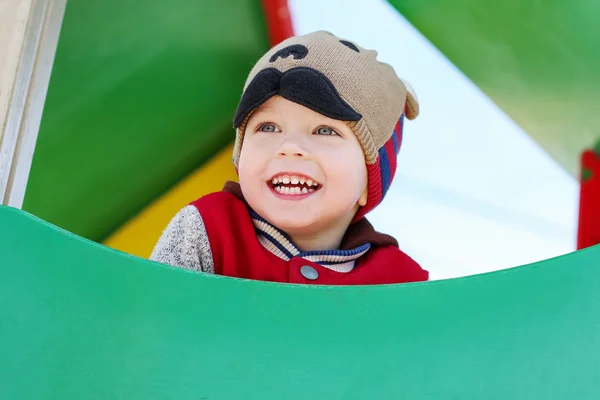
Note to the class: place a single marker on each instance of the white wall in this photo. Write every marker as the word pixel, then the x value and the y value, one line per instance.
pixel 29 31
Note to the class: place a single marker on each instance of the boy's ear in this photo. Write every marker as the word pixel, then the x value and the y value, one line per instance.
pixel 412 102
pixel 362 200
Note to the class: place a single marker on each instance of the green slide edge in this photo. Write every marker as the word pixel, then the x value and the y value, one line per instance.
pixel 79 320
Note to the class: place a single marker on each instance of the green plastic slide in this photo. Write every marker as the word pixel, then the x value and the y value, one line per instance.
pixel 537 60
pixel 81 321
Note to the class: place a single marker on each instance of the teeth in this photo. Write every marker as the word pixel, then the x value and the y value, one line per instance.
pixel 293 190
pixel 294 180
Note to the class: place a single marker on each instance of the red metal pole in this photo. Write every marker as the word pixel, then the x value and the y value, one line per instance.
pixel 589 200
pixel 279 21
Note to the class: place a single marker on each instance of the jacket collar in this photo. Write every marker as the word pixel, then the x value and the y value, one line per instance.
pixel 359 238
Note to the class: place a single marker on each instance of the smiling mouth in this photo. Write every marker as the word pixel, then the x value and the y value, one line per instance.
pixel 293 184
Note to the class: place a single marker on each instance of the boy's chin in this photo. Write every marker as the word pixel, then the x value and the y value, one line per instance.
pixel 293 223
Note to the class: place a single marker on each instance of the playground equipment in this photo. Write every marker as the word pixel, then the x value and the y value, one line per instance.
pixel 81 320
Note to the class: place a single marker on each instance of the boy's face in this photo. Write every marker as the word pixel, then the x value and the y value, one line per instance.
pixel 301 171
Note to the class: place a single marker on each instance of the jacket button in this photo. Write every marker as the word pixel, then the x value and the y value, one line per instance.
pixel 309 272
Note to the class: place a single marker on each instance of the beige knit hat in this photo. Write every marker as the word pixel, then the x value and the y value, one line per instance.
pixel 343 81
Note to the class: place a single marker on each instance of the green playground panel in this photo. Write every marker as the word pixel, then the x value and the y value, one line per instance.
pixel 81 321
pixel 537 60
pixel 141 94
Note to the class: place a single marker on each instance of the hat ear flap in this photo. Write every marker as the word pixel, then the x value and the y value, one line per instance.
pixel 412 102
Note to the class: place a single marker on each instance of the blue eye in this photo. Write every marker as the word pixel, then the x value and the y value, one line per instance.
pixel 267 128
pixel 325 130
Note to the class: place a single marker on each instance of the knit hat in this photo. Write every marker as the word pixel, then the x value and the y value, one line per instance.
pixel 342 81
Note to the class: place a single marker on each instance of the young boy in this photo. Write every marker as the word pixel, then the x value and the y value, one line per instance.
pixel 319 126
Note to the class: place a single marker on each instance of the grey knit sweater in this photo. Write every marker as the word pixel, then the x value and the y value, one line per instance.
pixel 184 243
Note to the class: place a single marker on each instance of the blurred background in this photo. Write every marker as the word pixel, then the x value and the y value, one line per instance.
pixel 138 118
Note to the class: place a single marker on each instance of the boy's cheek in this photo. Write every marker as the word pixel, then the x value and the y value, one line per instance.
pixel 250 154
pixel 343 163
pixel 257 147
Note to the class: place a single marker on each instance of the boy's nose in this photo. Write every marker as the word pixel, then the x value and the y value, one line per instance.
pixel 290 149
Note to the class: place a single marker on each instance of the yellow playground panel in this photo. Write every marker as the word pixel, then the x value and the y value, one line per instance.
pixel 139 234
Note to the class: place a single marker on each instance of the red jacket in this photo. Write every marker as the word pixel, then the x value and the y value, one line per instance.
pixel 235 234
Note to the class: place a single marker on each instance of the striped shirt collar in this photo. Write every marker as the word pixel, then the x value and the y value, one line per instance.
pixel 281 245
